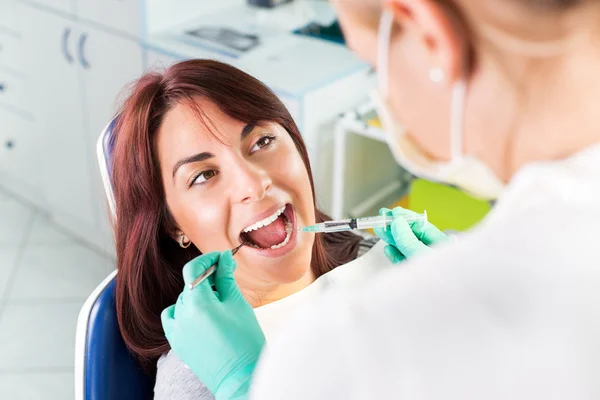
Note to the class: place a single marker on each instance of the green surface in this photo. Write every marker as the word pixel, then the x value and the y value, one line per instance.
pixel 447 208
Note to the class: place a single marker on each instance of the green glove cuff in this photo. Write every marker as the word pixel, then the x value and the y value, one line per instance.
pixel 393 254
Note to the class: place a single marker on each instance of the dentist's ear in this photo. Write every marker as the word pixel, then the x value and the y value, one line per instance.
pixel 439 30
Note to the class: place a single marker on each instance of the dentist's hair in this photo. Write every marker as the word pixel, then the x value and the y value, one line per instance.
pixel 149 260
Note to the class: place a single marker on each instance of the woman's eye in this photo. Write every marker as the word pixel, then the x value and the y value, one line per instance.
pixel 204 176
pixel 262 143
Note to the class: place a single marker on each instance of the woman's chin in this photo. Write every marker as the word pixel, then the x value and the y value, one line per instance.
pixel 284 265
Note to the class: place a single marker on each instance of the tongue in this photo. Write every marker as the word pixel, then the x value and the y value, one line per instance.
pixel 269 235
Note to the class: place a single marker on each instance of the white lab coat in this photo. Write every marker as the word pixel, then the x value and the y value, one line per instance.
pixel 509 311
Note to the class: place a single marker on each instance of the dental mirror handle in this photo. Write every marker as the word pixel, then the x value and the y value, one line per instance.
pixel 203 276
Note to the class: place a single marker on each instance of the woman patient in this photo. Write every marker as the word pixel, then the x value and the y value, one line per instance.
pixel 205 157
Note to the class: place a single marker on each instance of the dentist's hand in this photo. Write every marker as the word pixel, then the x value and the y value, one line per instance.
pixel 406 239
pixel 215 333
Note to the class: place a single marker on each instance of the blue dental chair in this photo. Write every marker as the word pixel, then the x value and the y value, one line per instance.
pixel 104 368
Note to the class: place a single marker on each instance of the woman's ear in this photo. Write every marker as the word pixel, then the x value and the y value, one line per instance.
pixel 182 239
pixel 439 32
pixel 176 234
pixel 171 227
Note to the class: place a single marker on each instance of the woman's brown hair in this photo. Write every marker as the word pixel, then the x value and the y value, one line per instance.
pixel 149 261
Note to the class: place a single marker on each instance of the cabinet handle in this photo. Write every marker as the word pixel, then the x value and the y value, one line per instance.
pixel 65 45
pixel 82 60
pixel 10 144
pixel 2 87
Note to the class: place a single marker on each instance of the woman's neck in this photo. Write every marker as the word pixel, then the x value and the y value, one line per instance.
pixel 260 295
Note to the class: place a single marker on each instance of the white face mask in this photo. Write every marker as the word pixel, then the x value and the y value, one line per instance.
pixel 462 170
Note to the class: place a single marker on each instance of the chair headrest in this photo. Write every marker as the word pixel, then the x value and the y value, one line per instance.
pixel 104 150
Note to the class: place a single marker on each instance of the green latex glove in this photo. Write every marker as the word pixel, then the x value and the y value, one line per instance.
pixel 215 332
pixel 407 239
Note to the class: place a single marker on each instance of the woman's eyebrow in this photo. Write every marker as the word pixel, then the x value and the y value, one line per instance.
pixel 247 129
pixel 192 159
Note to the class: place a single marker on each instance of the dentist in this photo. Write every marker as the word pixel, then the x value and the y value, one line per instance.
pixel 499 97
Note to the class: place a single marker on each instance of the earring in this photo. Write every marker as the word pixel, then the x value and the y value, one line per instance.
pixel 437 75
pixel 184 244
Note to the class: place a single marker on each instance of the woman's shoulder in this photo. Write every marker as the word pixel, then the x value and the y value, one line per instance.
pixel 174 380
pixel 369 261
pixel 366 244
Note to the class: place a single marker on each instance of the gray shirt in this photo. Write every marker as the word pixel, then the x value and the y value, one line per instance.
pixel 175 381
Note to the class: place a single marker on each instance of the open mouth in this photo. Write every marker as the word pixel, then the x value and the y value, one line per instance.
pixel 271 233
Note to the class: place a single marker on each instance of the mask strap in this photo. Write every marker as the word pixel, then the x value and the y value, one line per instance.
pixel 457 117
pixel 386 21
pixel 459 88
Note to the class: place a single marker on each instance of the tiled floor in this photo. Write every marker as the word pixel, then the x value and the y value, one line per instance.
pixel 45 276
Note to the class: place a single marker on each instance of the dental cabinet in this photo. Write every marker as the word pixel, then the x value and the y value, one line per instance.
pixel 64 65
pixel 72 60
pixel 18 153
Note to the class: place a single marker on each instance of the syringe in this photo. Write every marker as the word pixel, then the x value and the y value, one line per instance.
pixel 358 223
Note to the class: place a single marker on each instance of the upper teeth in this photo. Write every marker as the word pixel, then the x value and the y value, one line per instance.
pixel 264 222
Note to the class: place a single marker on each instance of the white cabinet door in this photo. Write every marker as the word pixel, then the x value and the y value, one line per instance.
pixel 10 131
pixel 8 15
pixel 10 50
pixel 7 127
pixel 122 15
pixel 54 97
pixel 111 64
pixel 19 161
pixel 11 90
pixel 67 6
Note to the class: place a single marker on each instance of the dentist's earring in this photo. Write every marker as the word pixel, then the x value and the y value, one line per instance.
pixel 184 241
pixel 437 75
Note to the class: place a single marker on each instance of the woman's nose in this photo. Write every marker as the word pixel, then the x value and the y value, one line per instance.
pixel 253 184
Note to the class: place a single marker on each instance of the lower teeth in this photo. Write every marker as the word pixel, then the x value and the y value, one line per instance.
pixel 288 230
